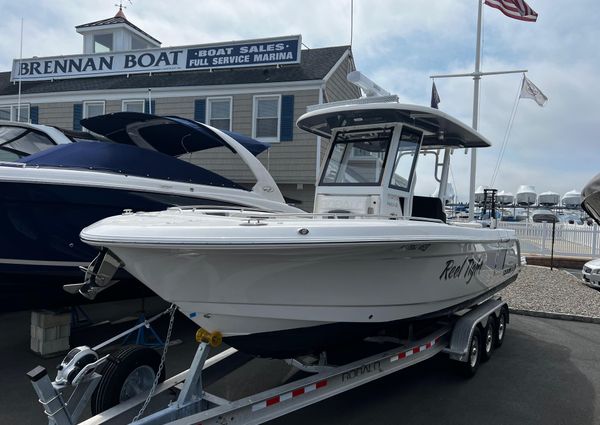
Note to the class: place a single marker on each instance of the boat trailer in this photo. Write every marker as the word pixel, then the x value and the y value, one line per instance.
pixel 469 338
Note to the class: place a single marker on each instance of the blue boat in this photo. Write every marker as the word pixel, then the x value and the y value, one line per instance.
pixel 47 197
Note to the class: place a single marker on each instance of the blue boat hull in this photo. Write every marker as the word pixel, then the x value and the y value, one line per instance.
pixel 40 246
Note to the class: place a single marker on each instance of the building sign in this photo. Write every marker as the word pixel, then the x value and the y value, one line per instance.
pixel 271 51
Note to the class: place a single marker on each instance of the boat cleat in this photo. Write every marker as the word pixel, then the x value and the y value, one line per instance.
pixel 214 339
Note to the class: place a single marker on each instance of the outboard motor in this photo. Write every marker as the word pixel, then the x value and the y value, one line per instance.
pixel 98 275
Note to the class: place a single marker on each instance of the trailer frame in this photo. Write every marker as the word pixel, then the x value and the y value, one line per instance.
pixel 196 406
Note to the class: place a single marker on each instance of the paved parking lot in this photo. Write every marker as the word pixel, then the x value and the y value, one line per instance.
pixel 546 373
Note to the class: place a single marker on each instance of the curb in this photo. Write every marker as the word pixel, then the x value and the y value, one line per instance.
pixel 557 316
pixel 559 261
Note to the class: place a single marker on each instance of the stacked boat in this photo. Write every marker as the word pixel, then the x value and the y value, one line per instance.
pixel 571 199
pixel 505 198
pixel 548 199
pixel 526 196
pixel 371 257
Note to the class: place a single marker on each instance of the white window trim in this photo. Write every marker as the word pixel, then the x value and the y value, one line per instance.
pixel 255 111
pixel 13 108
pixel 92 102
pixel 133 101
pixel 208 109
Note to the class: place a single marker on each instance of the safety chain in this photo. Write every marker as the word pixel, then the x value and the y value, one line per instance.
pixel 173 309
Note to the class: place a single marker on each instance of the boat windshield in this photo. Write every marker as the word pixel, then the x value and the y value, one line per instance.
pixel 357 157
pixel 406 156
pixel 17 142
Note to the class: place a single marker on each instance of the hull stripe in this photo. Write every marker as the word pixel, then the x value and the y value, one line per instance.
pixel 41 263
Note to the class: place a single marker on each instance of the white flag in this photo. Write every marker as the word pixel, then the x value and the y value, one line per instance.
pixel 530 91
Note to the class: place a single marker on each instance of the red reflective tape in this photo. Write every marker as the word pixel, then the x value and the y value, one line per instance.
pixel 298 392
pixel 428 346
pixel 321 384
pixel 272 401
pixel 401 355
pixel 416 350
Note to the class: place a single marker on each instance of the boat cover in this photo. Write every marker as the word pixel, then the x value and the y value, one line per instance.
pixel 124 159
pixel 170 135
pixel 591 198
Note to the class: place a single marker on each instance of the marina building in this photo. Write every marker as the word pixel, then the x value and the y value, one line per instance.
pixel 258 88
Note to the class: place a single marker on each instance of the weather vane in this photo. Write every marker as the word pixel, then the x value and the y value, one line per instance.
pixel 120 5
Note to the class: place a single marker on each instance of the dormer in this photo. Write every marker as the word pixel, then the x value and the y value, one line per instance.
pixel 114 35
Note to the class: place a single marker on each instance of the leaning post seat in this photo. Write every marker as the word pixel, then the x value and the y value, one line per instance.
pixel 428 207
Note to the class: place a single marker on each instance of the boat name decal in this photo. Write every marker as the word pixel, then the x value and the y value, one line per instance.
pixel 470 267
pixel 413 247
pixel 509 270
pixel 362 370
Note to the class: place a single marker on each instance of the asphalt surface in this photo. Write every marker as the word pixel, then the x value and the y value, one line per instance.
pixel 547 372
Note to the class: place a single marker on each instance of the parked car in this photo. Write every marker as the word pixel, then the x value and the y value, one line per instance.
pixel 591 273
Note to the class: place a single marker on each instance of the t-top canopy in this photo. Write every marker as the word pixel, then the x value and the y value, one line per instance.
pixel 170 135
pixel 440 129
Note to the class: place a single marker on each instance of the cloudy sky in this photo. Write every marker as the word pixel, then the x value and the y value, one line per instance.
pixel 399 44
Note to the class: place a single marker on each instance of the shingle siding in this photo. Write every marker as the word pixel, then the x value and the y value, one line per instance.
pixel 58 114
pixel 338 87
pixel 111 106
pixel 288 162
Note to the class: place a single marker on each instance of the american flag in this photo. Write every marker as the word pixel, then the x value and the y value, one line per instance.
pixel 516 9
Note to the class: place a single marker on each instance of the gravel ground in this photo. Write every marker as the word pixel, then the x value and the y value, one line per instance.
pixel 552 291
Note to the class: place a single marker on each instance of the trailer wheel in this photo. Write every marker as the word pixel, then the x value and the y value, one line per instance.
pixel 126 373
pixel 501 328
pixel 469 368
pixel 489 339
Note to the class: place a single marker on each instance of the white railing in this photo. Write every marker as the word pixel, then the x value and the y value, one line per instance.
pixel 569 239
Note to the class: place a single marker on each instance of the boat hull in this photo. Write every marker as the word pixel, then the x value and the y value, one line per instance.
pixel 307 295
pixel 41 250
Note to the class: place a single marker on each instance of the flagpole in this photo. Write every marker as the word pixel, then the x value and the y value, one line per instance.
pixel 477 74
pixel 476 80
pixel 20 78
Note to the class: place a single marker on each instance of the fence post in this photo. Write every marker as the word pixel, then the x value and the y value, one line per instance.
pixel 595 240
pixel 544 230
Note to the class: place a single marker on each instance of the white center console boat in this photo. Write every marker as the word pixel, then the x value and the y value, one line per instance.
pixel 372 256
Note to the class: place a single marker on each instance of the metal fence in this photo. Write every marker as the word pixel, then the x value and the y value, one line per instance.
pixel 569 239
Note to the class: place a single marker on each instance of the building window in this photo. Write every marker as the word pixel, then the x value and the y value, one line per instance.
pixel 218 112
pixel 266 117
pixel 103 43
pixel 11 113
pixel 137 43
pixel 133 106
pixel 92 109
